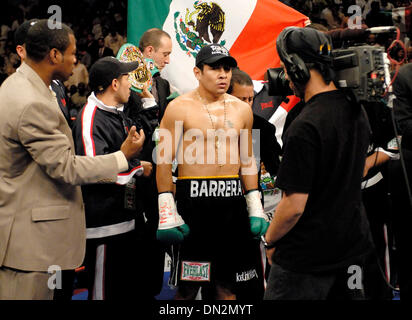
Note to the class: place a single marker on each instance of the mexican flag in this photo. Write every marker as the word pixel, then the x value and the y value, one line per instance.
pixel 247 28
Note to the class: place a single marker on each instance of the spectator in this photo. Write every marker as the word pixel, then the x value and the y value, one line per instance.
pixel 386 5
pixel 41 212
pixel 80 74
pixel 333 17
pixel 102 50
pixel 92 47
pixel 84 57
pixel 114 41
pixel 375 17
pixel 79 98
pixel 97 28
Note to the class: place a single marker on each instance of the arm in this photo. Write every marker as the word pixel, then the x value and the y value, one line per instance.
pixel 374 160
pixel 249 177
pixel 248 169
pixel 91 138
pixel 287 214
pixel 41 133
pixel 172 229
pixel 167 147
pixel 148 114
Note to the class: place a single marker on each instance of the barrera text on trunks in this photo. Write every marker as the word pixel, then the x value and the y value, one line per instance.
pixel 215 188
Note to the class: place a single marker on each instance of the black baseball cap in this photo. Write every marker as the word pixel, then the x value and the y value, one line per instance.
pixel 214 52
pixel 104 70
pixel 309 44
pixel 21 32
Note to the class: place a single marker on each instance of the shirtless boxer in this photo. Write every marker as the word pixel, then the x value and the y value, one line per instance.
pixel 209 133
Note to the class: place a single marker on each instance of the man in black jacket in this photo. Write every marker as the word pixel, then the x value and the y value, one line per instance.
pixel 113 261
pixel 146 110
pixel 156 44
pixel 402 213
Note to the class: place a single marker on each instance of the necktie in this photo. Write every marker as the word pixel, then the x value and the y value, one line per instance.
pixel 154 90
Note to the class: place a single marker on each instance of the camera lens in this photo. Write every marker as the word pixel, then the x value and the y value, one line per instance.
pixel 278 84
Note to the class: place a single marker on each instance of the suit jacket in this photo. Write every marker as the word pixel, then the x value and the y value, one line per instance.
pixel 42 219
pixel 163 91
pixel 107 52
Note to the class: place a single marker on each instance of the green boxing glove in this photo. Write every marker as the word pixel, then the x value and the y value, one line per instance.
pixel 172 229
pixel 259 222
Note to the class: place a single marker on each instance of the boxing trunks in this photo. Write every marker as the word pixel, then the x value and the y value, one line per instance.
pixel 220 245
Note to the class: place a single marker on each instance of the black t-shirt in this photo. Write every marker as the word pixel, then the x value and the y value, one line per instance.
pixel 269 149
pixel 324 156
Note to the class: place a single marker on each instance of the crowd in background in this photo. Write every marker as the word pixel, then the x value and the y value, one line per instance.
pixel 99 26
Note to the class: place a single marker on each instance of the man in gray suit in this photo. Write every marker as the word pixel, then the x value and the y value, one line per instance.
pixel 42 223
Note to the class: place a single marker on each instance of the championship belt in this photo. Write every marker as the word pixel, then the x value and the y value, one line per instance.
pixel 143 74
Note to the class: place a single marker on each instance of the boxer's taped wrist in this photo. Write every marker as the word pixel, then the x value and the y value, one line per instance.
pixel 254 204
pixel 165 192
pixel 168 216
pixel 247 192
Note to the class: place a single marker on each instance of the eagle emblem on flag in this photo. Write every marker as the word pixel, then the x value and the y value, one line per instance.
pixel 199 27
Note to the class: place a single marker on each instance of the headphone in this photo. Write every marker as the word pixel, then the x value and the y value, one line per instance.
pixel 295 66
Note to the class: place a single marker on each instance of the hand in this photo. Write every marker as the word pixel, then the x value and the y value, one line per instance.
pixel 269 255
pixel 147 168
pixel 259 221
pixel 145 93
pixel 172 236
pixel 133 144
pixel 172 229
pixel 258 226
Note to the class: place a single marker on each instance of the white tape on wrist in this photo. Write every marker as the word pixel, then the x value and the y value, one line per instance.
pixel 254 205
pixel 148 103
pixel 168 216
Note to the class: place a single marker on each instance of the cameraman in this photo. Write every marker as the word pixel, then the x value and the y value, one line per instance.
pixel 319 232
pixel 402 213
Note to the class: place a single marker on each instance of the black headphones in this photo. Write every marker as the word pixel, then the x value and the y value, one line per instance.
pixel 295 66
